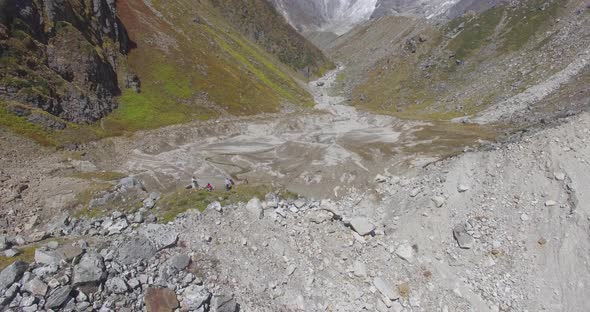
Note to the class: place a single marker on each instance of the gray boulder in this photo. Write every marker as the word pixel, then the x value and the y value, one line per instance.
pixel 160 235
pixel 135 249
pixel 215 206
pixel 117 285
pixel 385 288
pixel 118 226
pixel 194 296
pixel 12 273
pixel 151 200
pixel 59 297
pixel 272 200
pixel 47 257
pixel 254 207
pixel 151 239
pixel 128 183
pixel 12 252
pixel 179 262
pixel 36 287
pixel 221 303
pixel 362 226
pixel 464 240
pixel 90 270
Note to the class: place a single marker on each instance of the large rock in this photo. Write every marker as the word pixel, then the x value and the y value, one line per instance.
pixel 89 271
pixel 254 207
pixel 128 183
pixel 464 240
pixel 362 226
pixel 215 206
pixel 160 235
pixel 12 273
pixel 406 252
pixel 36 287
pixel 385 288
pixel 221 303
pixel 438 201
pixel 136 249
pixel 179 262
pixel 151 200
pixel 160 300
pixel 319 216
pixel 359 269
pixel 117 285
pixel 194 296
pixel 151 239
pixel 48 257
pixel 57 298
pixel 118 226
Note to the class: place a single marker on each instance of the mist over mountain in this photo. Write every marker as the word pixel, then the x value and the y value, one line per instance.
pixel 426 8
pixel 337 16
pixel 340 16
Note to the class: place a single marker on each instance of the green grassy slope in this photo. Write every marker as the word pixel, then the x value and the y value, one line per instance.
pixel 473 61
pixel 260 22
pixel 193 64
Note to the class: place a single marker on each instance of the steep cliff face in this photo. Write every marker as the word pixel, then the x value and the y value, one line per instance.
pixel 260 22
pixel 61 56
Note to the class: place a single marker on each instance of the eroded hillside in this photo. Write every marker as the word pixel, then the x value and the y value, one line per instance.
pixel 142 64
pixel 441 70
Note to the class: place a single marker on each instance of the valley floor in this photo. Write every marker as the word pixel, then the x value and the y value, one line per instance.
pixel 503 229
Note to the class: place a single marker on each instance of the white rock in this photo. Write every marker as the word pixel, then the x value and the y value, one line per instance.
pixel 359 269
pixel 194 296
pixel 36 287
pixel 559 176
pixel 462 188
pixel 438 201
pixel 215 206
pixel 550 203
pixel 254 206
pixel 12 252
pixel 385 288
pixel 117 285
pixel 47 257
pixel 362 226
pixel 405 252
pixel 118 226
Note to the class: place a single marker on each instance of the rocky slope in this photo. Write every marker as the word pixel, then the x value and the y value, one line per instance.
pixel 445 70
pixel 259 21
pixel 430 214
pixel 461 234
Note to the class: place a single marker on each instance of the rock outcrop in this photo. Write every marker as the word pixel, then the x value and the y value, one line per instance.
pixel 61 57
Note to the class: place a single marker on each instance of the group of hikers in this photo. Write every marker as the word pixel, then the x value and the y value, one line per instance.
pixel 228 183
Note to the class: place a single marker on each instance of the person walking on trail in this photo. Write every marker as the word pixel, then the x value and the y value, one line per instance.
pixel 194 183
pixel 228 184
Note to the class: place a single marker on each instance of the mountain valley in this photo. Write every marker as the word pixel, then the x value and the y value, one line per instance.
pixel 384 155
